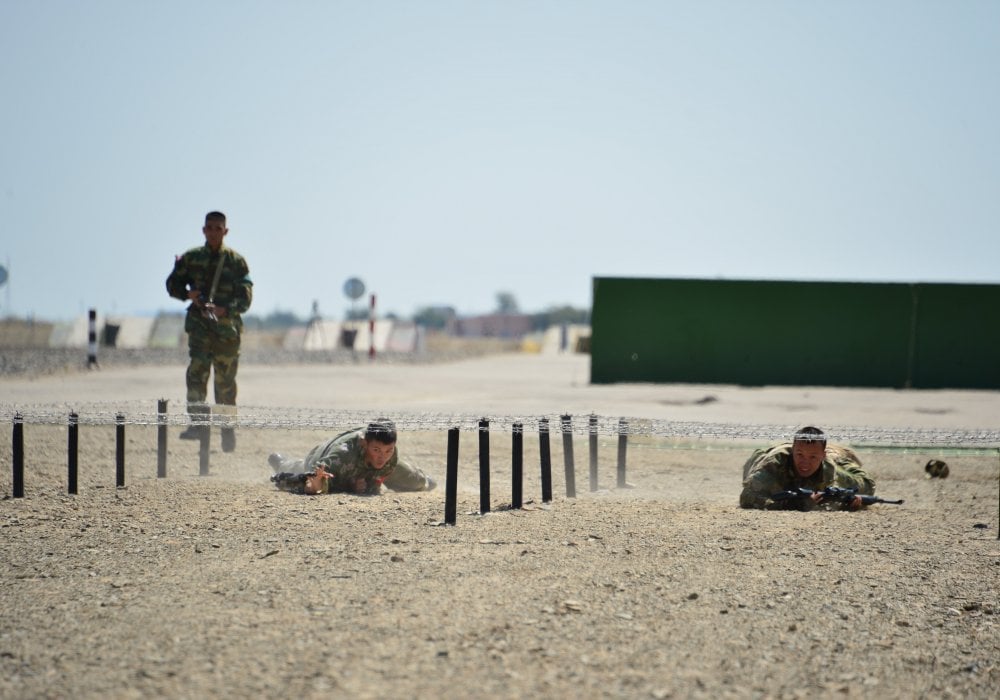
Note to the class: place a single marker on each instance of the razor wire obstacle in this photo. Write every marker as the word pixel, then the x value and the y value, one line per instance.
pixel 98 414
pixel 119 420
pixel 284 418
pixel 137 413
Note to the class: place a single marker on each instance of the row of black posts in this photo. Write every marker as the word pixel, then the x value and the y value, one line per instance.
pixel 517 463
pixel 451 483
pixel 72 459
pixel 73 442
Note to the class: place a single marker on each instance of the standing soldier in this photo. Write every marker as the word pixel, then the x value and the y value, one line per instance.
pixel 216 280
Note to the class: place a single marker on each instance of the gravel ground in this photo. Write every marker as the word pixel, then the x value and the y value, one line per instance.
pixel 201 586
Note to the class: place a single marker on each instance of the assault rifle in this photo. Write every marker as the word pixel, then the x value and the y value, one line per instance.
pixel 309 482
pixel 207 308
pixel 831 494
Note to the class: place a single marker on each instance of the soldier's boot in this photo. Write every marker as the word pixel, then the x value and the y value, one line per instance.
pixel 199 414
pixel 228 439
pixel 193 431
pixel 275 460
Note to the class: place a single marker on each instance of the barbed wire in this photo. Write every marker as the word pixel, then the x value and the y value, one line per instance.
pixel 285 418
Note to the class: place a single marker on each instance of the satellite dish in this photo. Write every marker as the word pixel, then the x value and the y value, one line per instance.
pixel 3 275
pixel 354 288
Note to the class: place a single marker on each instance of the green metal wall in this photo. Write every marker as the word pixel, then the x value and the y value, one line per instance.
pixel 795 333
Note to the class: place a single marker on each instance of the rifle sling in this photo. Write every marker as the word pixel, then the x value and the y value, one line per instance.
pixel 215 280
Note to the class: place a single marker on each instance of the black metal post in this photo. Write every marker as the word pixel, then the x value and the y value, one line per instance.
pixel 517 466
pixel 543 446
pixel 567 434
pixel 484 465
pixel 120 451
pixel 622 446
pixel 72 450
pixel 451 478
pixel 204 439
pixel 161 438
pixel 593 452
pixel 18 454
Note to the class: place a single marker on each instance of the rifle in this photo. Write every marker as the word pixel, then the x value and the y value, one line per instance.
pixel 207 308
pixel 831 494
pixel 308 483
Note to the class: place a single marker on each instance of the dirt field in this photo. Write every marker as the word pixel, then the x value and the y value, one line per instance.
pixel 199 586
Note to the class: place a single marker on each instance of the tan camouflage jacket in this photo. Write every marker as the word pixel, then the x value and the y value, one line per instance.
pixel 344 457
pixel 769 471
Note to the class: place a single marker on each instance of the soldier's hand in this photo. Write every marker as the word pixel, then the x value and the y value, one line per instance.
pixel 220 311
pixel 193 294
pixel 855 503
pixel 316 482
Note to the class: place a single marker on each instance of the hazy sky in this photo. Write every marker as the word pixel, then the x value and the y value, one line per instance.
pixel 447 151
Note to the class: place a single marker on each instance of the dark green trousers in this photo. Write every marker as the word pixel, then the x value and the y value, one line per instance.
pixel 210 352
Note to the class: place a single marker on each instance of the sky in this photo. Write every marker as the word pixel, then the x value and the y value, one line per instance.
pixel 445 152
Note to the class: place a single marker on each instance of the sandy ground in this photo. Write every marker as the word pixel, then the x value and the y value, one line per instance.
pixel 200 586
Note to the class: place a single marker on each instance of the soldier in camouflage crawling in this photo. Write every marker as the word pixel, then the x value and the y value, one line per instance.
pixel 806 462
pixel 215 280
pixel 358 461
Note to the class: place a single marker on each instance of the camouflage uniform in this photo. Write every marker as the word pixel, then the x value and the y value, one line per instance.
pixel 770 470
pixel 343 456
pixel 212 343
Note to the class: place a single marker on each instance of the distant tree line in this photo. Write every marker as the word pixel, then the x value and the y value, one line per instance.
pixel 433 317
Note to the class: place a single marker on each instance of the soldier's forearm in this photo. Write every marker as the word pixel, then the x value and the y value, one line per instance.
pixel 242 304
pixel 751 499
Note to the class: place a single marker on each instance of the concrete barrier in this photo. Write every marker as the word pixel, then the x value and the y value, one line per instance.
pixel 16 333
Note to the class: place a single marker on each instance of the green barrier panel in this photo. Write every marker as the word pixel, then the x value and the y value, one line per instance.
pixel 790 333
pixel 957 336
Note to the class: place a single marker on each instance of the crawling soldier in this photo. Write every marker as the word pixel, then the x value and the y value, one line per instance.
pixel 358 461
pixel 806 462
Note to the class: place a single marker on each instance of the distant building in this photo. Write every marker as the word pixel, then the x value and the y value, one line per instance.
pixel 508 326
